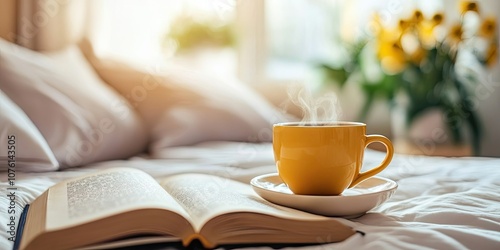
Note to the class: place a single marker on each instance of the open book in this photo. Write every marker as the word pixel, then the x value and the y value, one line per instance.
pixel 122 207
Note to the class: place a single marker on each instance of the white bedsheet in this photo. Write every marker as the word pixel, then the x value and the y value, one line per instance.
pixel 441 203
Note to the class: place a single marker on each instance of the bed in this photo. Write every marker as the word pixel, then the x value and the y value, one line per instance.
pixel 104 115
pixel 441 203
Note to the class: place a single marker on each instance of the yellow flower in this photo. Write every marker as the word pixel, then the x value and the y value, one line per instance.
pixel 488 27
pixel 425 30
pixel 417 17
pixel 392 57
pixel 404 25
pixel 412 22
pixel 426 33
pixel 468 6
pixel 437 19
pixel 389 35
pixel 455 35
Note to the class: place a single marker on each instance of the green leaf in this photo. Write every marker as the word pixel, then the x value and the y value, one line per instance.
pixel 335 75
pixel 366 106
pixel 476 130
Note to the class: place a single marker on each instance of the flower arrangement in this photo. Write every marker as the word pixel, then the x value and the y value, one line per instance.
pixel 421 63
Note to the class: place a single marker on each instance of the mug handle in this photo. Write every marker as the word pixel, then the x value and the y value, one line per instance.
pixel 388 157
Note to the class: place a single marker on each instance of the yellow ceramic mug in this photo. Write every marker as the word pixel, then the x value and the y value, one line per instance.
pixel 324 158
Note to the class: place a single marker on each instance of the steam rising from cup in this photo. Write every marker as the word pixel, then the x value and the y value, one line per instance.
pixel 315 109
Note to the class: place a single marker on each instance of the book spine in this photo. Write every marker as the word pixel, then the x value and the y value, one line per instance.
pixel 20 228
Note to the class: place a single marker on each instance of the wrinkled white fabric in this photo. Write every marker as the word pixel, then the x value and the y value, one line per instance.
pixel 441 203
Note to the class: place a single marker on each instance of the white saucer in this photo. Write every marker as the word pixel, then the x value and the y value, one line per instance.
pixel 351 203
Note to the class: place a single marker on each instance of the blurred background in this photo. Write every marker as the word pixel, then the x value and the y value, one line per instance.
pixel 423 73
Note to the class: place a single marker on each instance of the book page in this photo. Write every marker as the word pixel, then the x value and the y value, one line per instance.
pixel 205 197
pixel 103 194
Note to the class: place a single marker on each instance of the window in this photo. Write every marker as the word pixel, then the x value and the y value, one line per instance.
pixel 140 31
pixel 306 33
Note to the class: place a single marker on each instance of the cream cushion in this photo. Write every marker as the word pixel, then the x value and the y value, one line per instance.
pixel 18 135
pixel 82 119
pixel 184 107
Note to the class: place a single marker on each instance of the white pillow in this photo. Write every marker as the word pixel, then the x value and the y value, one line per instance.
pixel 184 107
pixel 82 119
pixel 18 135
